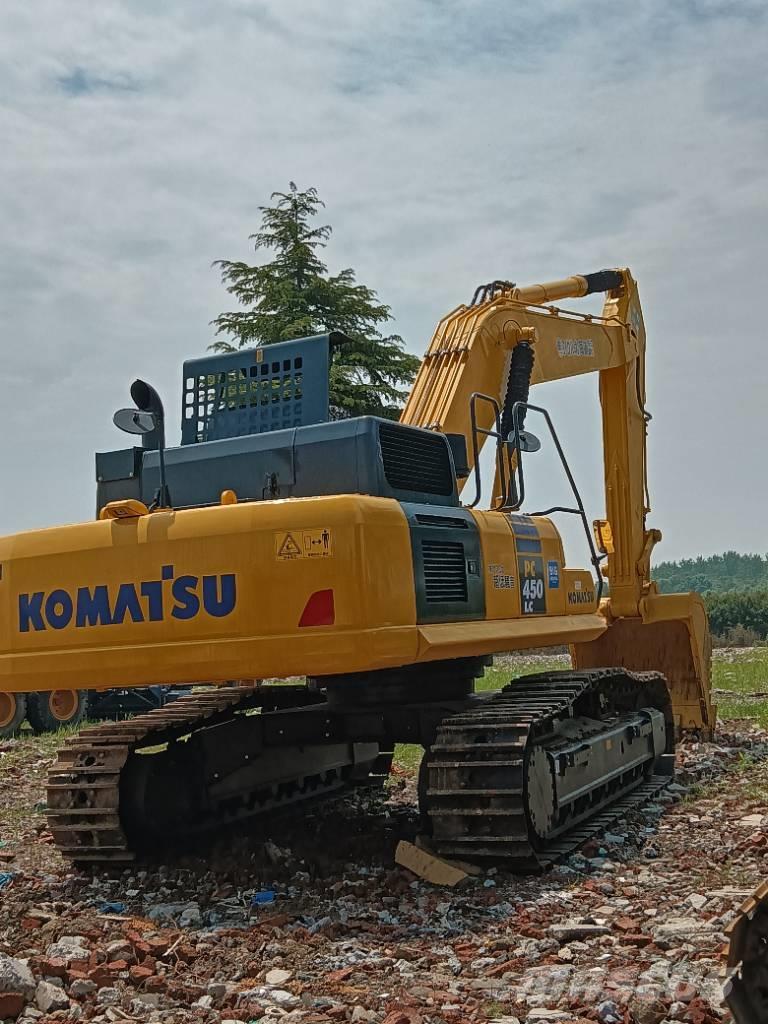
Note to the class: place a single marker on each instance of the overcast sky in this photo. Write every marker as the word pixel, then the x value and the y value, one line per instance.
pixel 453 143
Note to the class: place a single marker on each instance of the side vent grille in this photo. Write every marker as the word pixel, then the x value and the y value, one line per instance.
pixel 427 519
pixel 445 571
pixel 415 460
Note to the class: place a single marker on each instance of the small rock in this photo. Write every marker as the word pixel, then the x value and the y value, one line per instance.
pixel 107 996
pixel 283 998
pixel 274 854
pixel 146 1000
pixel 678 929
pixel 752 820
pixel 191 917
pixel 15 976
pixel 647 1011
pixel 68 948
pixel 120 950
pixel 82 987
pixel 278 977
pixel 696 900
pixel 609 1013
pixel 50 998
pixel 684 992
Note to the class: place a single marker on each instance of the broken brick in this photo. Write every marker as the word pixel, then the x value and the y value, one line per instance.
pixel 11 1004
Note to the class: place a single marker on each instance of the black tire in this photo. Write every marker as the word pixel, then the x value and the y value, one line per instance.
pixel 49 712
pixel 13 711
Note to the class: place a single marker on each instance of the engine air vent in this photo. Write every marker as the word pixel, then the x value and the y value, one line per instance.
pixel 445 571
pixel 452 522
pixel 415 460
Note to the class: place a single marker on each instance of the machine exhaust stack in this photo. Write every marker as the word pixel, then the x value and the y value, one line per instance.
pixel 148 420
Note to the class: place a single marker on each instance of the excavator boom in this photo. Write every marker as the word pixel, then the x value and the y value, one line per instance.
pixel 473 352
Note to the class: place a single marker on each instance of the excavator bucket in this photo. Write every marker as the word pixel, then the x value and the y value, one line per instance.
pixel 670 636
pixel 746 990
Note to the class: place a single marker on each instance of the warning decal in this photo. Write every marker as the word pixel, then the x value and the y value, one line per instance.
pixel 286 547
pixel 315 543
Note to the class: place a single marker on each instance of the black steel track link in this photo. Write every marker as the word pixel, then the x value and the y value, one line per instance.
pixel 83 793
pixel 476 796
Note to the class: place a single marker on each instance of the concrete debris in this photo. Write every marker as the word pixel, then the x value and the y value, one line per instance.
pixel 278 977
pixel 696 900
pixel 339 914
pixel 15 975
pixel 50 998
pixel 69 948
pixel 751 821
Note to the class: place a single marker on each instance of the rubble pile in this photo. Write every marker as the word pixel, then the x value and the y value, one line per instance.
pixel 319 923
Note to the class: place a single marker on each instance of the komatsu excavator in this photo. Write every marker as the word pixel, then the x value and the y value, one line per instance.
pixel 274 544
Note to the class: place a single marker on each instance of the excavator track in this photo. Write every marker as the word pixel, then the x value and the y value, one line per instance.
pixel 522 777
pixel 496 781
pixel 92 785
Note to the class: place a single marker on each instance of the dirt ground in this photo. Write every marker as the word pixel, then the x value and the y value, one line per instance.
pixel 307 918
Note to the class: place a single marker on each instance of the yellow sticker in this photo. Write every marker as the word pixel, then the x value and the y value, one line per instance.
pixel 315 543
pixel 286 547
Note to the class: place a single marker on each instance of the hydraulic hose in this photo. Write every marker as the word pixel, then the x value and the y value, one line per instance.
pixel 518 385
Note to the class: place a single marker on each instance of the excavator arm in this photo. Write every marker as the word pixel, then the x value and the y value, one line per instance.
pixel 478 349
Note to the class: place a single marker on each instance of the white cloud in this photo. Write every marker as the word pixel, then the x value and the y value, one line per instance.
pixel 452 142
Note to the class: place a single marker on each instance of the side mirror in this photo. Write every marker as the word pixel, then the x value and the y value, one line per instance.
pixel 528 442
pixel 149 421
pixel 135 421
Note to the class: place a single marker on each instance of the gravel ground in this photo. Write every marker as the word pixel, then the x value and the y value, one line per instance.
pixel 307 918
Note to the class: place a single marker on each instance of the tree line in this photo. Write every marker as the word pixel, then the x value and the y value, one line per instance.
pixel 735 590
pixel 738 616
pixel 715 574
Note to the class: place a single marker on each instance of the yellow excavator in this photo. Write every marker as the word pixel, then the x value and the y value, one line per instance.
pixel 277 542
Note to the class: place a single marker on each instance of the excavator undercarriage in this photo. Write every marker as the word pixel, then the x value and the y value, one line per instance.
pixel 520 776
